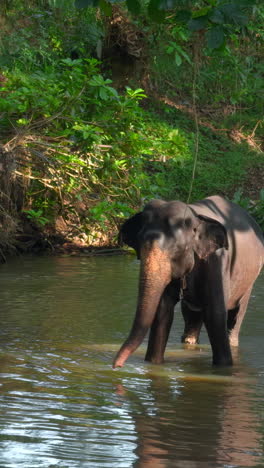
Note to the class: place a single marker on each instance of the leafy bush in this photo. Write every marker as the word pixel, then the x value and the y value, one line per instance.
pixel 85 142
pixel 230 74
pixel 255 208
pixel 92 154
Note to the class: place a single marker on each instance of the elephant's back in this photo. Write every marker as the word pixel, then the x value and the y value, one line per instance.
pixel 232 216
pixel 246 240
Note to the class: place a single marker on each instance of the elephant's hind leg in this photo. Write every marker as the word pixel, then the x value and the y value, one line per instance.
pixel 193 323
pixel 235 318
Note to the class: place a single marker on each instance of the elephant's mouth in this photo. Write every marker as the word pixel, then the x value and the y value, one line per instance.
pixel 183 265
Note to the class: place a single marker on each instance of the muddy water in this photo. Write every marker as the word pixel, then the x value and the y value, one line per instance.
pixel 62 405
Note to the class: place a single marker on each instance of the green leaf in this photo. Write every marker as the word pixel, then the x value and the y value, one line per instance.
pixel 202 12
pixel 186 56
pixel 196 24
pixel 170 49
pixel 261 195
pixel 103 94
pixel 178 60
pixel 216 16
pixel 154 11
pixel 133 6
pixel 183 16
pixel 245 3
pixel 86 3
pixel 105 7
pixel 234 14
pixel 215 37
pixel 167 4
pixel 136 94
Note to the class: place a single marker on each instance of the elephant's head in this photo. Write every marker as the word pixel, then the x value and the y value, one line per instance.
pixel 168 238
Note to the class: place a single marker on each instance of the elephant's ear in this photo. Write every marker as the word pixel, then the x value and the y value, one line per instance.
pixel 129 231
pixel 210 235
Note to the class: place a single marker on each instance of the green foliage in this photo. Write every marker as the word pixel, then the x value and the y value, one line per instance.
pixel 176 49
pixel 43 93
pixel 93 154
pixel 229 74
pixel 90 142
pixel 96 146
pixel 255 208
pixel 218 18
pixel 37 217
pixel 42 35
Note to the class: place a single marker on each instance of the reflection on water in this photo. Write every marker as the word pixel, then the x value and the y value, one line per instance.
pixel 62 405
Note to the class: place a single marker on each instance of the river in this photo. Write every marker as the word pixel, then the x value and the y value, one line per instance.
pixel 62 404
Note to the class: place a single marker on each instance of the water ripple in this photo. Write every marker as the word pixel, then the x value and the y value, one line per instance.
pixel 62 405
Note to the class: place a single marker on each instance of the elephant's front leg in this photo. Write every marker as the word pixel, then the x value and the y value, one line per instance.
pixel 161 326
pixel 215 313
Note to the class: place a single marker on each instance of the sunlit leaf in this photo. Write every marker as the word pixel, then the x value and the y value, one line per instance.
pixel 103 94
pixel 178 59
pixel 202 12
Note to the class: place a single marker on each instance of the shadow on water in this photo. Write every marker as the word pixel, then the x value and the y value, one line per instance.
pixel 62 405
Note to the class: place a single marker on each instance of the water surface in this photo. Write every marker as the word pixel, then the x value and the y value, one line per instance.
pixel 62 405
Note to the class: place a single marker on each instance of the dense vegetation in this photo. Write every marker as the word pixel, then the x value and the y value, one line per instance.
pixel 102 110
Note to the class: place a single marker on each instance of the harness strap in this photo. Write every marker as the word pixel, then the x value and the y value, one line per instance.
pixel 183 286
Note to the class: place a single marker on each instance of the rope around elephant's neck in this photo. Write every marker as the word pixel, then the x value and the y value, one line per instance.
pixel 183 286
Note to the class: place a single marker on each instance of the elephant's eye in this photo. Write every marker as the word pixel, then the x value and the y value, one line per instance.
pixel 176 223
pixel 187 223
pixel 182 223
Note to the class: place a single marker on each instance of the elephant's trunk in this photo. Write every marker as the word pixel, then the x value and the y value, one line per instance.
pixel 155 274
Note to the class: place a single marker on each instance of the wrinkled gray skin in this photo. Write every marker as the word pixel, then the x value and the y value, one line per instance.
pixel 210 252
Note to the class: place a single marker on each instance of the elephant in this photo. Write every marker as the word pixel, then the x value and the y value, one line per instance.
pixel 207 255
